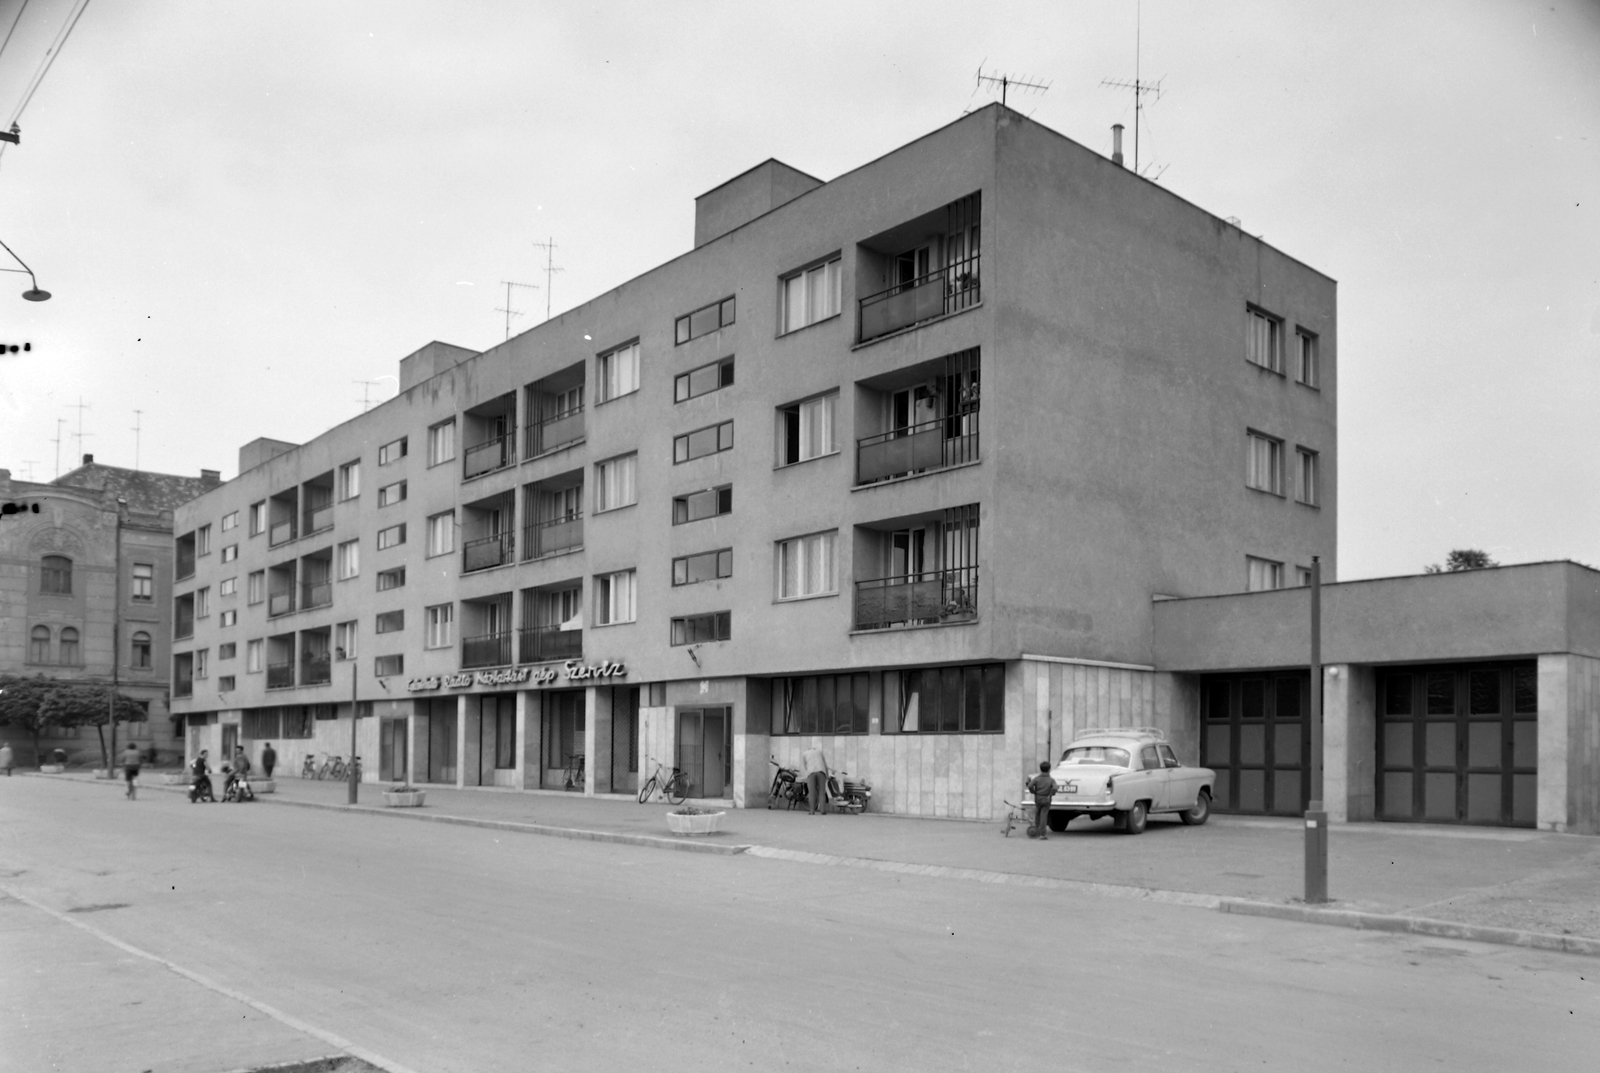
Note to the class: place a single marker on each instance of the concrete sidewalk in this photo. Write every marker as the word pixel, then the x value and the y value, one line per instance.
pixel 1480 882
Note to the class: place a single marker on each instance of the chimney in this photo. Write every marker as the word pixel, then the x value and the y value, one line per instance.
pixel 88 460
pixel 211 477
pixel 1116 144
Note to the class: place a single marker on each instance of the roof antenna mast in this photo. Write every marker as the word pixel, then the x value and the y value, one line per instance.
pixel 550 268
pixel 137 421
pixel 1138 85
pixel 506 309
pixel 1006 82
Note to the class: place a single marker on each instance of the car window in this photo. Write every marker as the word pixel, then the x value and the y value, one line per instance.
pixel 1148 758
pixel 1168 757
pixel 1096 754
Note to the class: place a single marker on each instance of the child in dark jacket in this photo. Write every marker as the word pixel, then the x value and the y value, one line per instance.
pixel 1043 788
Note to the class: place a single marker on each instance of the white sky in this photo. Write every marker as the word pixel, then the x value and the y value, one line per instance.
pixel 243 208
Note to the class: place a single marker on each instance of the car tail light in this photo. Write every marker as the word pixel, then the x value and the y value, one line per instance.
pixel 1108 782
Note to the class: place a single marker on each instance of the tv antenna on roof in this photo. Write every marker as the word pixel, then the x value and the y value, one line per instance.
pixel 1139 86
pixel 506 309
pixel 137 421
pixel 1006 82
pixel 550 268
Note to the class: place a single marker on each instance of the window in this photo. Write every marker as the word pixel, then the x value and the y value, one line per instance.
pixel 141 650
pixel 201 661
pixel 808 430
pixel 390 494
pixel 1262 344
pixel 702 442
pixel 202 602
pixel 349 559
pixel 1264 468
pixel 202 540
pixel 393 451
pixel 344 640
pixel 617 373
pixel 257 582
pixel 1305 365
pixel 707 566
pixel 946 700
pixel 55 575
pixel 820 704
pixel 390 622
pixel 252 657
pixel 229 586
pixel 441 444
pixel 811 295
pixel 392 537
pixel 1307 492
pixel 69 646
pixel 442 533
pixel 705 319
pixel 350 480
pixel 391 579
pixel 144 581
pixel 225 684
pixel 229 618
pixel 230 520
pixel 228 651
pixel 1302 576
pixel 703 381
pixel 695 629
pixel 613 483
pixel 613 598
pixel 805 566
pixel 384 666
pixel 441 626
pixel 1263 574
pixel 230 552
pixel 39 645
pixel 706 504
pixel 258 518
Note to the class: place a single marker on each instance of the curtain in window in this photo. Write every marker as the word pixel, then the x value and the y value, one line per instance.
pixel 1263 341
pixel 816 426
pixel 1263 464
pixel 616 597
pixel 615 481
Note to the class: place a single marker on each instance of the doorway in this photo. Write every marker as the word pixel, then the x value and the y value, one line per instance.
pixel 393 737
pixel 1252 733
pixel 436 740
pixel 705 749
pixel 563 739
pixel 230 741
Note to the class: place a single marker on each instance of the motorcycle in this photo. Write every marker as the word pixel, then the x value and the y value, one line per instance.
pixel 784 785
pixel 843 794
pixel 238 787
pixel 200 790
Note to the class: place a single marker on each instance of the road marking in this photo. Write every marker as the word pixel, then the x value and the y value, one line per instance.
pixel 278 1015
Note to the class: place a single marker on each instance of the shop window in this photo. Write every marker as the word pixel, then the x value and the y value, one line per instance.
pixel 820 704
pixel 947 700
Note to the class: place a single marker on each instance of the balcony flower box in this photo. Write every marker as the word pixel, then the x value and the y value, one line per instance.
pixel 404 797
pixel 694 821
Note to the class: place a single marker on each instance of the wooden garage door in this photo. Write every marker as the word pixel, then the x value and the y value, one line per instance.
pixel 1253 734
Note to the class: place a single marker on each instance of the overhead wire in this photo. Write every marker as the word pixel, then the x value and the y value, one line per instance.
pixel 13 29
pixel 49 58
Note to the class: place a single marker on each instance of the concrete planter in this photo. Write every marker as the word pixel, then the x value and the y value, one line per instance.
pixel 176 778
pixel 52 769
pixel 263 786
pixel 704 824
pixel 404 798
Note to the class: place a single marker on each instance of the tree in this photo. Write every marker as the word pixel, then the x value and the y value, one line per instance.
pixel 39 704
pixel 1462 559
pixel 24 703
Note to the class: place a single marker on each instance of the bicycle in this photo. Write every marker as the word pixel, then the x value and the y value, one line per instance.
pixel 308 770
pixel 1016 814
pixel 327 766
pixel 573 775
pixel 783 784
pixel 339 771
pixel 674 787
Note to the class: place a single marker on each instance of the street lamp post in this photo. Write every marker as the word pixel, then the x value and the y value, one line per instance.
pixel 32 294
pixel 353 715
pixel 1316 815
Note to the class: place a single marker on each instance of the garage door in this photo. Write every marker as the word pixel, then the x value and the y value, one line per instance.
pixel 1253 734
pixel 1458 744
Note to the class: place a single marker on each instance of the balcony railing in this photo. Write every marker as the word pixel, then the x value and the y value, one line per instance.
pixel 183 687
pixel 280 603
pixel 182 628
pixel 319 518
pixel 280 675
pixel 185 567
pixel 936 444
pixel 488 551
pixel 316 669
pixel 281 533
pixel 539 644
pixel 489 650
pixel 315 594
pixel 493 454
pixel 927 598
pixel 556 432
pixel 553 537
pixel 941 292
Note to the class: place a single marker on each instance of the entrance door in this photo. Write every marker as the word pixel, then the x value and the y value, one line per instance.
pixel 1459 744
pixel 230 740
pixel 1253 735
pixel 705 749
pixel 625 739
pixel 563 737
pixel 392 740
pixel 442 741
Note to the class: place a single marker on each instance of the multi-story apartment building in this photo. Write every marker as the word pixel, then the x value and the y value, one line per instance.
pixel 86 593
pixel 896 462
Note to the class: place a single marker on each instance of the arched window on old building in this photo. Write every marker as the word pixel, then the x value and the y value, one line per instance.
pixel 55 575
pixel 141 650
pixel 70 655
pixel 39 645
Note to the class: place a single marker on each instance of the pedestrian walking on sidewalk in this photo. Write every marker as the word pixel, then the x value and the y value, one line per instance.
pixel 269 759
pixel 814 769
pixel 5 757
pixel 1043 788
pixel 130 768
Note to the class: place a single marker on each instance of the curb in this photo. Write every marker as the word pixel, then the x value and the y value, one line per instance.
pixel 1443 929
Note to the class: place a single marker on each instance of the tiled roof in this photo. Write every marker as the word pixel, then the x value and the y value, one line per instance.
pixel 145 491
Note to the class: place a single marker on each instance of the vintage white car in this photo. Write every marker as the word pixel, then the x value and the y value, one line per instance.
pixel 1127 773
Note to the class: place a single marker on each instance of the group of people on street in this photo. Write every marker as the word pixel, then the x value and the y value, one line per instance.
pixel 238 771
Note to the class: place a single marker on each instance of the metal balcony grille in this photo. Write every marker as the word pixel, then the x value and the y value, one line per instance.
pixel 488 650
pixel 553 537
pixel 280 675
pixel 554 433
pixel 539 644
pixel 489 551
pixel 496 453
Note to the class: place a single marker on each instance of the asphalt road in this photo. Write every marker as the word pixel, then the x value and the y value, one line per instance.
pixel 445 948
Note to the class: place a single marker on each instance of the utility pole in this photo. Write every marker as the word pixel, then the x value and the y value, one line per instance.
pixel 507 310
pixel 1316 815
pixel 550 267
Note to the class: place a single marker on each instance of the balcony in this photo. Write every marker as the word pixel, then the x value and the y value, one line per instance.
pixel 318 519
pixel 280 675
pixel 281 533
pixel 925 599
pixel 183 628
pixel 541 644
pixel 316 669
pixel 552 434
pixel 280 603
pixel 937 294
pixel 185 562
pixel 315 594
pixel 497 452
pixel 488 551
pixel 489 650
pixel 553 537
pixel 931 445
pixel 183 686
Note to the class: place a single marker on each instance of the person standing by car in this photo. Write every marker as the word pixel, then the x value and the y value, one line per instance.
pixel 269 760
pixel 1043 788
pixel 130 768
pixel 814 769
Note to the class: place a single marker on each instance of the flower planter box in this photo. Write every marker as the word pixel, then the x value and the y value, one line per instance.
pixel 52 769
pixel 404 798
pixel 703 824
